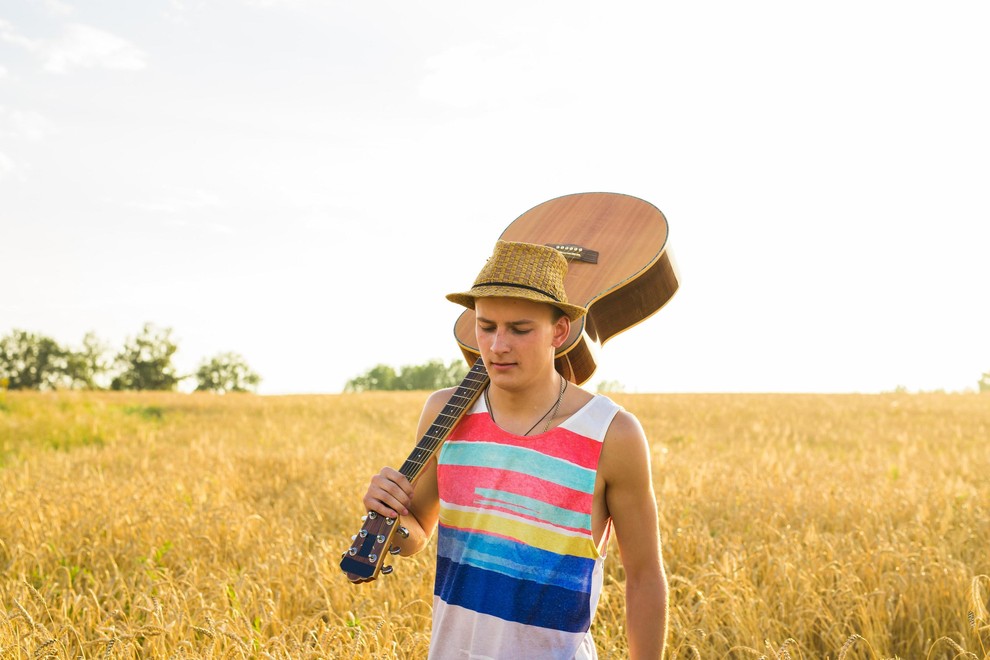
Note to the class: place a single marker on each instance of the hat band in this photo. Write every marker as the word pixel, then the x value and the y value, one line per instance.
pixel 518 286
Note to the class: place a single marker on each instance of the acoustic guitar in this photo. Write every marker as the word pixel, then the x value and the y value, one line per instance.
pixel 619 269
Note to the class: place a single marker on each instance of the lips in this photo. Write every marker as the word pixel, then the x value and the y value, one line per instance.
pixel 502 365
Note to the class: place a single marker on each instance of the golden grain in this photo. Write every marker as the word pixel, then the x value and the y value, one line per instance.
pixel 794 526
pixel 43 650
pixel 960 651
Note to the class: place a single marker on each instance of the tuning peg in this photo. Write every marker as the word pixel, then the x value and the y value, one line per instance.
pixel 395 550
pixel 354 538
pixel 364 518
pixel 403 532
pixel 386 570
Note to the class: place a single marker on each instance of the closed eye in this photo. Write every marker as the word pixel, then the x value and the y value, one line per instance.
pixel 488 329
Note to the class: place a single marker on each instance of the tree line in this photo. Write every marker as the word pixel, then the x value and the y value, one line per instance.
pixel 31 361
pixel 433 375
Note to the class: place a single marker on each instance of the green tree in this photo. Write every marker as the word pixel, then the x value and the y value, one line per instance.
pixel 433 375
pixel 226 372
pixel 610 386
pixel 145 363
pixel 379 377
pixel 86 366
pixel 30 361
pixel 985 382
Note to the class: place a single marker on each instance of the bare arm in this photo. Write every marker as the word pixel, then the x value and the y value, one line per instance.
pixel 631 502
pixel 417 505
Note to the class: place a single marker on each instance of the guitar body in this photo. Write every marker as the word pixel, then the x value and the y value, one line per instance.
pixel 629 279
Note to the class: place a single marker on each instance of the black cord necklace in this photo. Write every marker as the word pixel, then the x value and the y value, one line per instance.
pixel 553 409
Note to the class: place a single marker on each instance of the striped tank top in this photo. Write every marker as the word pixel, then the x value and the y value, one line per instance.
pixel 518 571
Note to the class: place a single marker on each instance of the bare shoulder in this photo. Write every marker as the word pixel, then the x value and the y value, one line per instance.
pixel 625 432
pixel 437 399
pixel 435 403
pixel 625 449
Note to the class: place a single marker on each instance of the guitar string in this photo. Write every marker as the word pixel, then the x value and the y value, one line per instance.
pixel 446 425
pixel 470 386
pixel 459 407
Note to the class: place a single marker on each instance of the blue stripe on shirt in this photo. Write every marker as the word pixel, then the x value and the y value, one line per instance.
pixel 521 601
pixel 515 559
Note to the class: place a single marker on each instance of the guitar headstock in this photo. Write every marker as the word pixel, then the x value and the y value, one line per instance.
pixel 364 560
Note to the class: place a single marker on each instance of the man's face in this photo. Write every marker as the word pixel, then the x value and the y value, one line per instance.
pixel 517 339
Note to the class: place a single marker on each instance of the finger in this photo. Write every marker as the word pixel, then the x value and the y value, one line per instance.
pixel 398 478
pixel 387 494
pixel 385 505
pixel 398 487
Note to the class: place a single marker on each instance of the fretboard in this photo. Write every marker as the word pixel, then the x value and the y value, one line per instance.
pixel 462 398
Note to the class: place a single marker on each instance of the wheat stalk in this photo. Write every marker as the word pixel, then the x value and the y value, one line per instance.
pixel 851 641
pixel 41 650
pixel 955 646
pixel 24 613
pixel 977 602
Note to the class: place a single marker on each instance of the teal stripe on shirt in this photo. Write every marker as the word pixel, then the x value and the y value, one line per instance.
pixel 520 459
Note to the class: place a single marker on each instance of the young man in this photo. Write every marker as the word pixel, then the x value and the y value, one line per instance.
pixel 529 486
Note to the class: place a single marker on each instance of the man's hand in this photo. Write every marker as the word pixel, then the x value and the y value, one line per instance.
pixel 389 494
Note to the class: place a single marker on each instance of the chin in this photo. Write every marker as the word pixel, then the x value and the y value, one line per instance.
pixel 504 377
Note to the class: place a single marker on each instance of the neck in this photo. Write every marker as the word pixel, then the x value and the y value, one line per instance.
pixel 536 395
pixel 526 411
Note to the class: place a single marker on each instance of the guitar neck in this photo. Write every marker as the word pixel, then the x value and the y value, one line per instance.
pixel 462 398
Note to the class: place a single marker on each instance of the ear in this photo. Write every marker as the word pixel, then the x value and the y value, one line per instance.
pixel 561 330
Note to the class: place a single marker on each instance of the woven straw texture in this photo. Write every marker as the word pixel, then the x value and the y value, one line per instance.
pixel 522 270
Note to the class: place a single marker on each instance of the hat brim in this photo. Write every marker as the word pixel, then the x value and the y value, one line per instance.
pixel 467 298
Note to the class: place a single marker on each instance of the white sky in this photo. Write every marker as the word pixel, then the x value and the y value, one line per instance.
pixel 301 181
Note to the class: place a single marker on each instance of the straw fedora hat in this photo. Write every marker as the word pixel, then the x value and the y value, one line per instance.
pixel 522 270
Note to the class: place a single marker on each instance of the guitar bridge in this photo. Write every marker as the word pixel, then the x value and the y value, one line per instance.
pixel 575 252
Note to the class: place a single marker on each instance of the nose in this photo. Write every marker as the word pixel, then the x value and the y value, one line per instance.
pixel 499 342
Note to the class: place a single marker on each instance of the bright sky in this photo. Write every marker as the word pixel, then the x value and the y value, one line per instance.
pixel 301 181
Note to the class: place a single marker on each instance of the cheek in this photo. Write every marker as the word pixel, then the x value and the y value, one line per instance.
pixel 487 339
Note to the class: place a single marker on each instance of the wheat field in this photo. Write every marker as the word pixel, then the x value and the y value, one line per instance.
pixel 150 525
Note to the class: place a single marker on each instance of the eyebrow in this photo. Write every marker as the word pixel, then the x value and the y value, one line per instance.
pixel 482 319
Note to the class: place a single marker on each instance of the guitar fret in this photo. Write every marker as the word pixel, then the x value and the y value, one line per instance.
pixel 465 394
